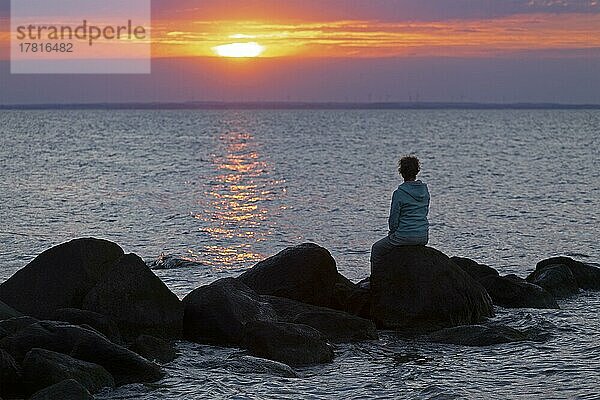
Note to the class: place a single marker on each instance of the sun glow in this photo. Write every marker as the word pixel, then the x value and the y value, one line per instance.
pixel 239 50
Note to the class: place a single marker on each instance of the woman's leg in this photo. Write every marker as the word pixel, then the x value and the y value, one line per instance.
pixel 380 249
pixel 411 241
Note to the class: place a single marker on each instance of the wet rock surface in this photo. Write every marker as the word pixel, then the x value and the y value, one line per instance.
pixel 154 349
pixel 99 322
pixel 291 344
pixel 136 300
pixel 336 326
pixel 217 313
pixel 59 277
pixel 305 273
pixel 11 380
pixel 558 280
pixel 69 389
pixel 7 312
pixel 43 368
pixel 84 344
pixel 473 268
pixel 417 288
pixel 255 365
pixel 513 292
pixel 587 276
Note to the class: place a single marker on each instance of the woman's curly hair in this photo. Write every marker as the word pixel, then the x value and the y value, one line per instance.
pixel 409 167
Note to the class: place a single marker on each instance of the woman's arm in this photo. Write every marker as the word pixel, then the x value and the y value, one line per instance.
pixel 394 218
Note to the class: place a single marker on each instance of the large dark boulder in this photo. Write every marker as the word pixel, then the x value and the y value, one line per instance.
pixel 587 276
pixel 217 313
pixel 10 326
pixel 84 344
pixel 7 312
pixel 291 344
pixel 43 368
pixel 473 268
pixel 154 349
pixel 352 298
pixel 99 322
pixel 506 291
pixel 305 273
pixel 338 328
pixel 558 280
pixel 477 335
pixel 59 277
pixel 65 390
pixel 335 326
pixel 513 292
pixel 418 289
pixel 136 300
pixel 11 382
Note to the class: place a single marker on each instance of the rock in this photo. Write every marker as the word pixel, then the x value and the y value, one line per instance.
pixel 477 335
pixel 508 291
pixel 136 300
pixel 154 349
pixel 65 390
pixel 7 312
pixel 59 277
pixel 291 344
pixel 97 321
pixel 418 289
pixel 255 365
pixel 587 276
pixel 11 381
pixel 335 326
pixel 171 262
pixel 365 284
pixel 406 357
pixel 305 273
pixel 43 368
pixel 474 269
pixel 217 313
pixel 10 326
pixel 83 344
pixel 352 298
pixel 513 292
pixel 558 280
pixel 339 328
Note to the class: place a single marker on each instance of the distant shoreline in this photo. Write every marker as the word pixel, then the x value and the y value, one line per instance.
pixel 303 106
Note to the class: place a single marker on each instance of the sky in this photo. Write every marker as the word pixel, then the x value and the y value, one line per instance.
pixel 346 50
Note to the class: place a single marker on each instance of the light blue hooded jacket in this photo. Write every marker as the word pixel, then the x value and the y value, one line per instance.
pixel 408 214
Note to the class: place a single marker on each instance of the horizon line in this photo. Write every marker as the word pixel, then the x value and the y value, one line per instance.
pixel 301 105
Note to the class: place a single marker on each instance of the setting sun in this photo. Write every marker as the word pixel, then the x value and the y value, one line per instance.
pixel 239 50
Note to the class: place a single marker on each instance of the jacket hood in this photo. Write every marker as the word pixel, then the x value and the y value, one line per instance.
pixel 417 190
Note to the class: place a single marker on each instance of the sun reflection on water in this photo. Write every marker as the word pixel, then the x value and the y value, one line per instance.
pixel 235 205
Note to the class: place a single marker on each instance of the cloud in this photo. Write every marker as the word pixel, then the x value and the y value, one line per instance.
pixel 363 38
pixel 384 10
pixel 381 28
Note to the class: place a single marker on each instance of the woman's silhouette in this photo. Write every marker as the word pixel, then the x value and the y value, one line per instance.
pixel 408 215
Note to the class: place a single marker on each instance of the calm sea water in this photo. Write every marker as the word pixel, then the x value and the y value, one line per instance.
pixel 228 188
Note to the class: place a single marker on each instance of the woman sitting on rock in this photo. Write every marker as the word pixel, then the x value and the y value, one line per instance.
pixel 408 215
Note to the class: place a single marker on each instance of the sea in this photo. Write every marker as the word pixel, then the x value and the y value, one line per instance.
pixel 228 188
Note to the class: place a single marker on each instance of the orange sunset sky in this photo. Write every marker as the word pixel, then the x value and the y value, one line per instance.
pixel 389 49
